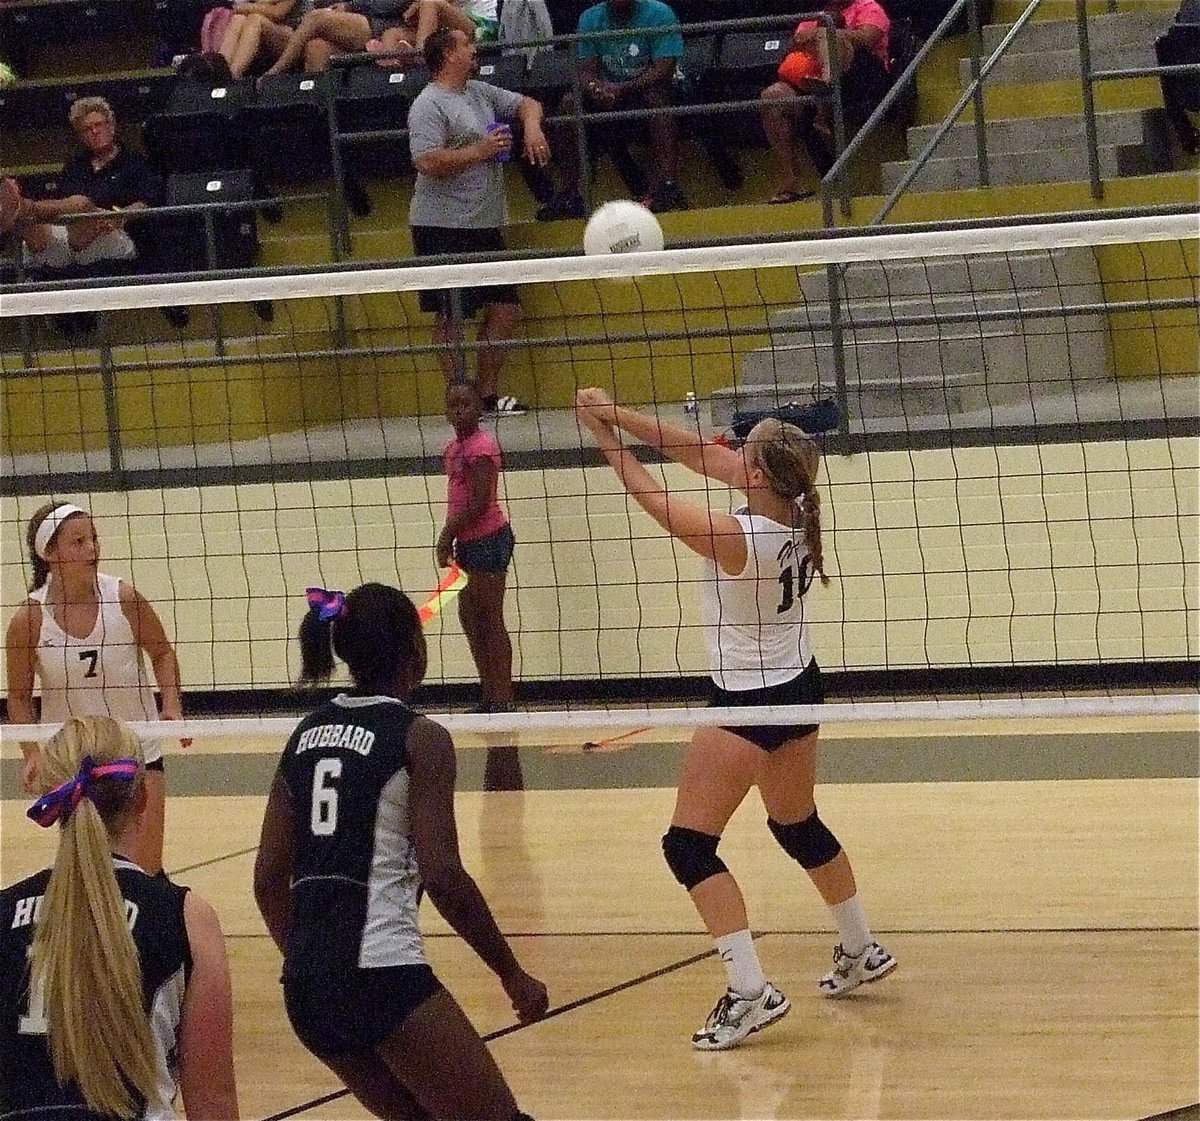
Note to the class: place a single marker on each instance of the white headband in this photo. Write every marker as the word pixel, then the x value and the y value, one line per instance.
pixel 50 524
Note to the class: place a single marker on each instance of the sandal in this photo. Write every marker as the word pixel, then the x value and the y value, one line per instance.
pixel 786 195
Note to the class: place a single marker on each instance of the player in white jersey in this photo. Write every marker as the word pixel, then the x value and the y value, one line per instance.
pixel 114 985
pixel 759 563
pixel 359 819
pixel 84 636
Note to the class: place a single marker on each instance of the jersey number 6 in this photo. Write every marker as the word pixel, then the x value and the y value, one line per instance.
pixel 324 797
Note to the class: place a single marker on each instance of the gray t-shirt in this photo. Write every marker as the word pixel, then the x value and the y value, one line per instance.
pixel 441 118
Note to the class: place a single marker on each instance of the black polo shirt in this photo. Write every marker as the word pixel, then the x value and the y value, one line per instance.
pixel 125 179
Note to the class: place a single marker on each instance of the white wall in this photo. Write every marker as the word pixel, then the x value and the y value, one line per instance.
pixel 1025 555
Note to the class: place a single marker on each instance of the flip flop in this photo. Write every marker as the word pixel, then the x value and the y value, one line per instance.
pixel 780 198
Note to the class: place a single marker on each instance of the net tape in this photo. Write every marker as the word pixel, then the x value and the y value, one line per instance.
pixel 820 251
pixel 1022 708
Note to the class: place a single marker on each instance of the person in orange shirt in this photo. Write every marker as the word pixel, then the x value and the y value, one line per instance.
pixel 862 34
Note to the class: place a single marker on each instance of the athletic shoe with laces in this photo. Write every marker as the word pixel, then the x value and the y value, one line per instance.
pixel 506 406
pixel 666 197
pixel 734 1017
pixel 849 972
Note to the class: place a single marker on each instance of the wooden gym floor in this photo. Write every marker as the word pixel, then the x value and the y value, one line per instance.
pixel 1038 886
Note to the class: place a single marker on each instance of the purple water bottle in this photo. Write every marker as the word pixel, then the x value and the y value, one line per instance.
pixel 504 156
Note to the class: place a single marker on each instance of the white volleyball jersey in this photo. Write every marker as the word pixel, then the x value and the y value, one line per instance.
pixel 101 675
pixel 754 622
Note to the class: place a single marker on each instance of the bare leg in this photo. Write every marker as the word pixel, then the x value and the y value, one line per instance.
pixel 445 330
pixel 317 53
pixel 499 323
pixel 247 39
pixel 343 29
pixel 718 771
pixel 786 783
pixel 372 1082
pixel 482 602
pixel 438 1055
pixel 432 14
pixel 777 124
pixel 664 137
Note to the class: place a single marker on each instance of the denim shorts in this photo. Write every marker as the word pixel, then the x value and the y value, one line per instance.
pixel 487 554
pixel 803 689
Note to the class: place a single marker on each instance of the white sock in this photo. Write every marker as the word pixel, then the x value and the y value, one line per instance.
pixel 741 962
pixel 851 922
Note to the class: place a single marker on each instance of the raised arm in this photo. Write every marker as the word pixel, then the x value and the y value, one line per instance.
pixel 206 1025
pixel 718 537
pixel 449 885
pixel 683 445
pixel 20 659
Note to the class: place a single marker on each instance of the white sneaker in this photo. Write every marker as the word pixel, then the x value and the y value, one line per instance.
pixel 850 972
pixel 736 1017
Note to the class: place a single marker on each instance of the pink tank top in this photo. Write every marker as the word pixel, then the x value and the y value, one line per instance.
pixel 457 457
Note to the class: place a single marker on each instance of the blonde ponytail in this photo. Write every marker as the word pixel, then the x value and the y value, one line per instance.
pixel 791 462
pixel 84 954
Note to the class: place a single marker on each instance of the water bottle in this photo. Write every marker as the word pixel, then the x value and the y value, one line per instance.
pixel 690 406
pixel 504 156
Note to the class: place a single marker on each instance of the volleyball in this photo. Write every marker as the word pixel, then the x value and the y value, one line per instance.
pixel 622 226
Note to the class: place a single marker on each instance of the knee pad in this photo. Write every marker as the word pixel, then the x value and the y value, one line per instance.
pixel 808 842
pixel 691 855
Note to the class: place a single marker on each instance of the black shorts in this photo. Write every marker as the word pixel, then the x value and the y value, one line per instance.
pixel 487 554
pixel 436 241
pixel 804 689
pixel 341 1013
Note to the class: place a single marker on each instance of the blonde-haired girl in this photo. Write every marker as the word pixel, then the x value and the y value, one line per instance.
pixel 760 562
pixel 116 984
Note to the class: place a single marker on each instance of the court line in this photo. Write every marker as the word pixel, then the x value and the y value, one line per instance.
pixel 500 1033
pixel 815 932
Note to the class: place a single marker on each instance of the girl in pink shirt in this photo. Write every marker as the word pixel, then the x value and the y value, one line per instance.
pixel 478 536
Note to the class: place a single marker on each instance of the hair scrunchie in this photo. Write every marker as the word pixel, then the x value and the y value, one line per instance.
pixel 59 803
pixel 327 604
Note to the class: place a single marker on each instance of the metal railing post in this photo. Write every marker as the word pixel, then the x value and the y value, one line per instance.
pixel 1089 104
pixel 833 280
pixel 981 153
pixel 210 259
pixel 108 384
pixel 339 218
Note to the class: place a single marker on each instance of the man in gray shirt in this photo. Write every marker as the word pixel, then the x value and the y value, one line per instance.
pixel 459 136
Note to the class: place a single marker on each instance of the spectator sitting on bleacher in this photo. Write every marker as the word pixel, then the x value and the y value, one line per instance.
pixel 343 28
pixel 12 204
pixel 478 19
pixel 632 72
pixel 862 40
pixel 260 27
pixel 102 178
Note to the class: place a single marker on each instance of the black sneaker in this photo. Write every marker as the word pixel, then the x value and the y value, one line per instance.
pixel 565 204
pixel 666 197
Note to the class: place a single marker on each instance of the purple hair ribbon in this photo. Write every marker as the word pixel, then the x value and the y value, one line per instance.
pixel 59 803
pixel 328 605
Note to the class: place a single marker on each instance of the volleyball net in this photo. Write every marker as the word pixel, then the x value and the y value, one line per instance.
pixel 1009 488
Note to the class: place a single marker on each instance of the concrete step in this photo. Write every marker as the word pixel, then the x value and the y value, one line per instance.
pixel 1105 31
pixel 1023 134
pixel 1046 352
pixel 913 397
pixel 1069 164
pixel 1072 273
pixel 1049 66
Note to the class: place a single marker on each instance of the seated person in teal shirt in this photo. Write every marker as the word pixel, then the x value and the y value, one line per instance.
pixel 632 72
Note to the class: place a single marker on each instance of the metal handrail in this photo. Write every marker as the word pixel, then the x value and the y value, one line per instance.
pixel 838 171
pixel 960 105
pixel 1089 77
